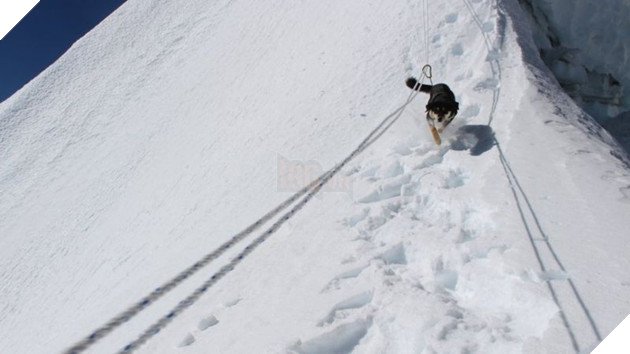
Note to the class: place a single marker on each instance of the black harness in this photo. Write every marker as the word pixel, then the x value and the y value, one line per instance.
pixel 440 95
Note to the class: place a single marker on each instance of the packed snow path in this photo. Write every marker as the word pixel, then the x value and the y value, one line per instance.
pixel 122 166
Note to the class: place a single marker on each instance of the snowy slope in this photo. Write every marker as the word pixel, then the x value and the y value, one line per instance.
pixel 162 133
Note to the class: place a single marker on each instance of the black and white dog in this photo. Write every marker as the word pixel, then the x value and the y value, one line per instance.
pixel 441 108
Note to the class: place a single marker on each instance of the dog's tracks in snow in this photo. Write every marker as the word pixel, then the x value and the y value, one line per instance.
pixel 420 262
pixel 427 254
pixel 426 251
pixel 206 323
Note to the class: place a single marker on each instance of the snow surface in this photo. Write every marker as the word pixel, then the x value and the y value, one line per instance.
pixel 163 132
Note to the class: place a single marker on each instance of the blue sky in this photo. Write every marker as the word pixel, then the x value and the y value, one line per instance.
pixel 44 35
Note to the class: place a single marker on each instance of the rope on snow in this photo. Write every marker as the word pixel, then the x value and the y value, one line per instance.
pixel 310 191
pixel 192 298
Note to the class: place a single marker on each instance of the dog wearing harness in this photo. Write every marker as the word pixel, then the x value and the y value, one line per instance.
pixel 441 108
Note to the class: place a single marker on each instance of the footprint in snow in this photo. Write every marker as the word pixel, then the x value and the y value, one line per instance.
pixel 473 223
pixel 393 169
pixel 394 255
pixel 188 340
pixel 466 235
pixel 369 223
pixel 446 279
pixel 387 190
pixel 451 18
pixel 456 178
pixel 442 276
pixel 202 325
pixel 207 322
pixel 431 158
pixel 373 222
pixel 233 302
pixel 457 50
pixel 355 302
pixel 340 340
pixel 353 220
pixel 349 274
pixel 487 84
pixel 368 172
pixel 470 111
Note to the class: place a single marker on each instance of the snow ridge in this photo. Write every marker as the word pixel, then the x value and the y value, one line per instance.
pixel 163 131
pixel 397 194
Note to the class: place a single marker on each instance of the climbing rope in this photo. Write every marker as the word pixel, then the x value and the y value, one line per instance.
pixel 425 20
pixel 187 273
pixel 310 191
pixel 427 71
pixel 193 297
pixel 525 205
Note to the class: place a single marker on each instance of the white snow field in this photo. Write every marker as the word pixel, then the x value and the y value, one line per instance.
pixel 173 125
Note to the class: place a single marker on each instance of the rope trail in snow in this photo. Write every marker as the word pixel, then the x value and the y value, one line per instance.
pixel 513 183
pixel 425 10
pixel 192 298
pixel 187 273
pixel 310 190
pixel 516 187
pixel 492 57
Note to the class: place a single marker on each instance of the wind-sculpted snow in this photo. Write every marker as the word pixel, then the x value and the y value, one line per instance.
pixel 586 46
pixel 159 135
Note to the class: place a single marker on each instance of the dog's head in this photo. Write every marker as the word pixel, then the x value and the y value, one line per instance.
pixel 441 114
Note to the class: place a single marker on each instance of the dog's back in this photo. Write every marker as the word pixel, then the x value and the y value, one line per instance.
pixel 441 95
pixel 442 107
